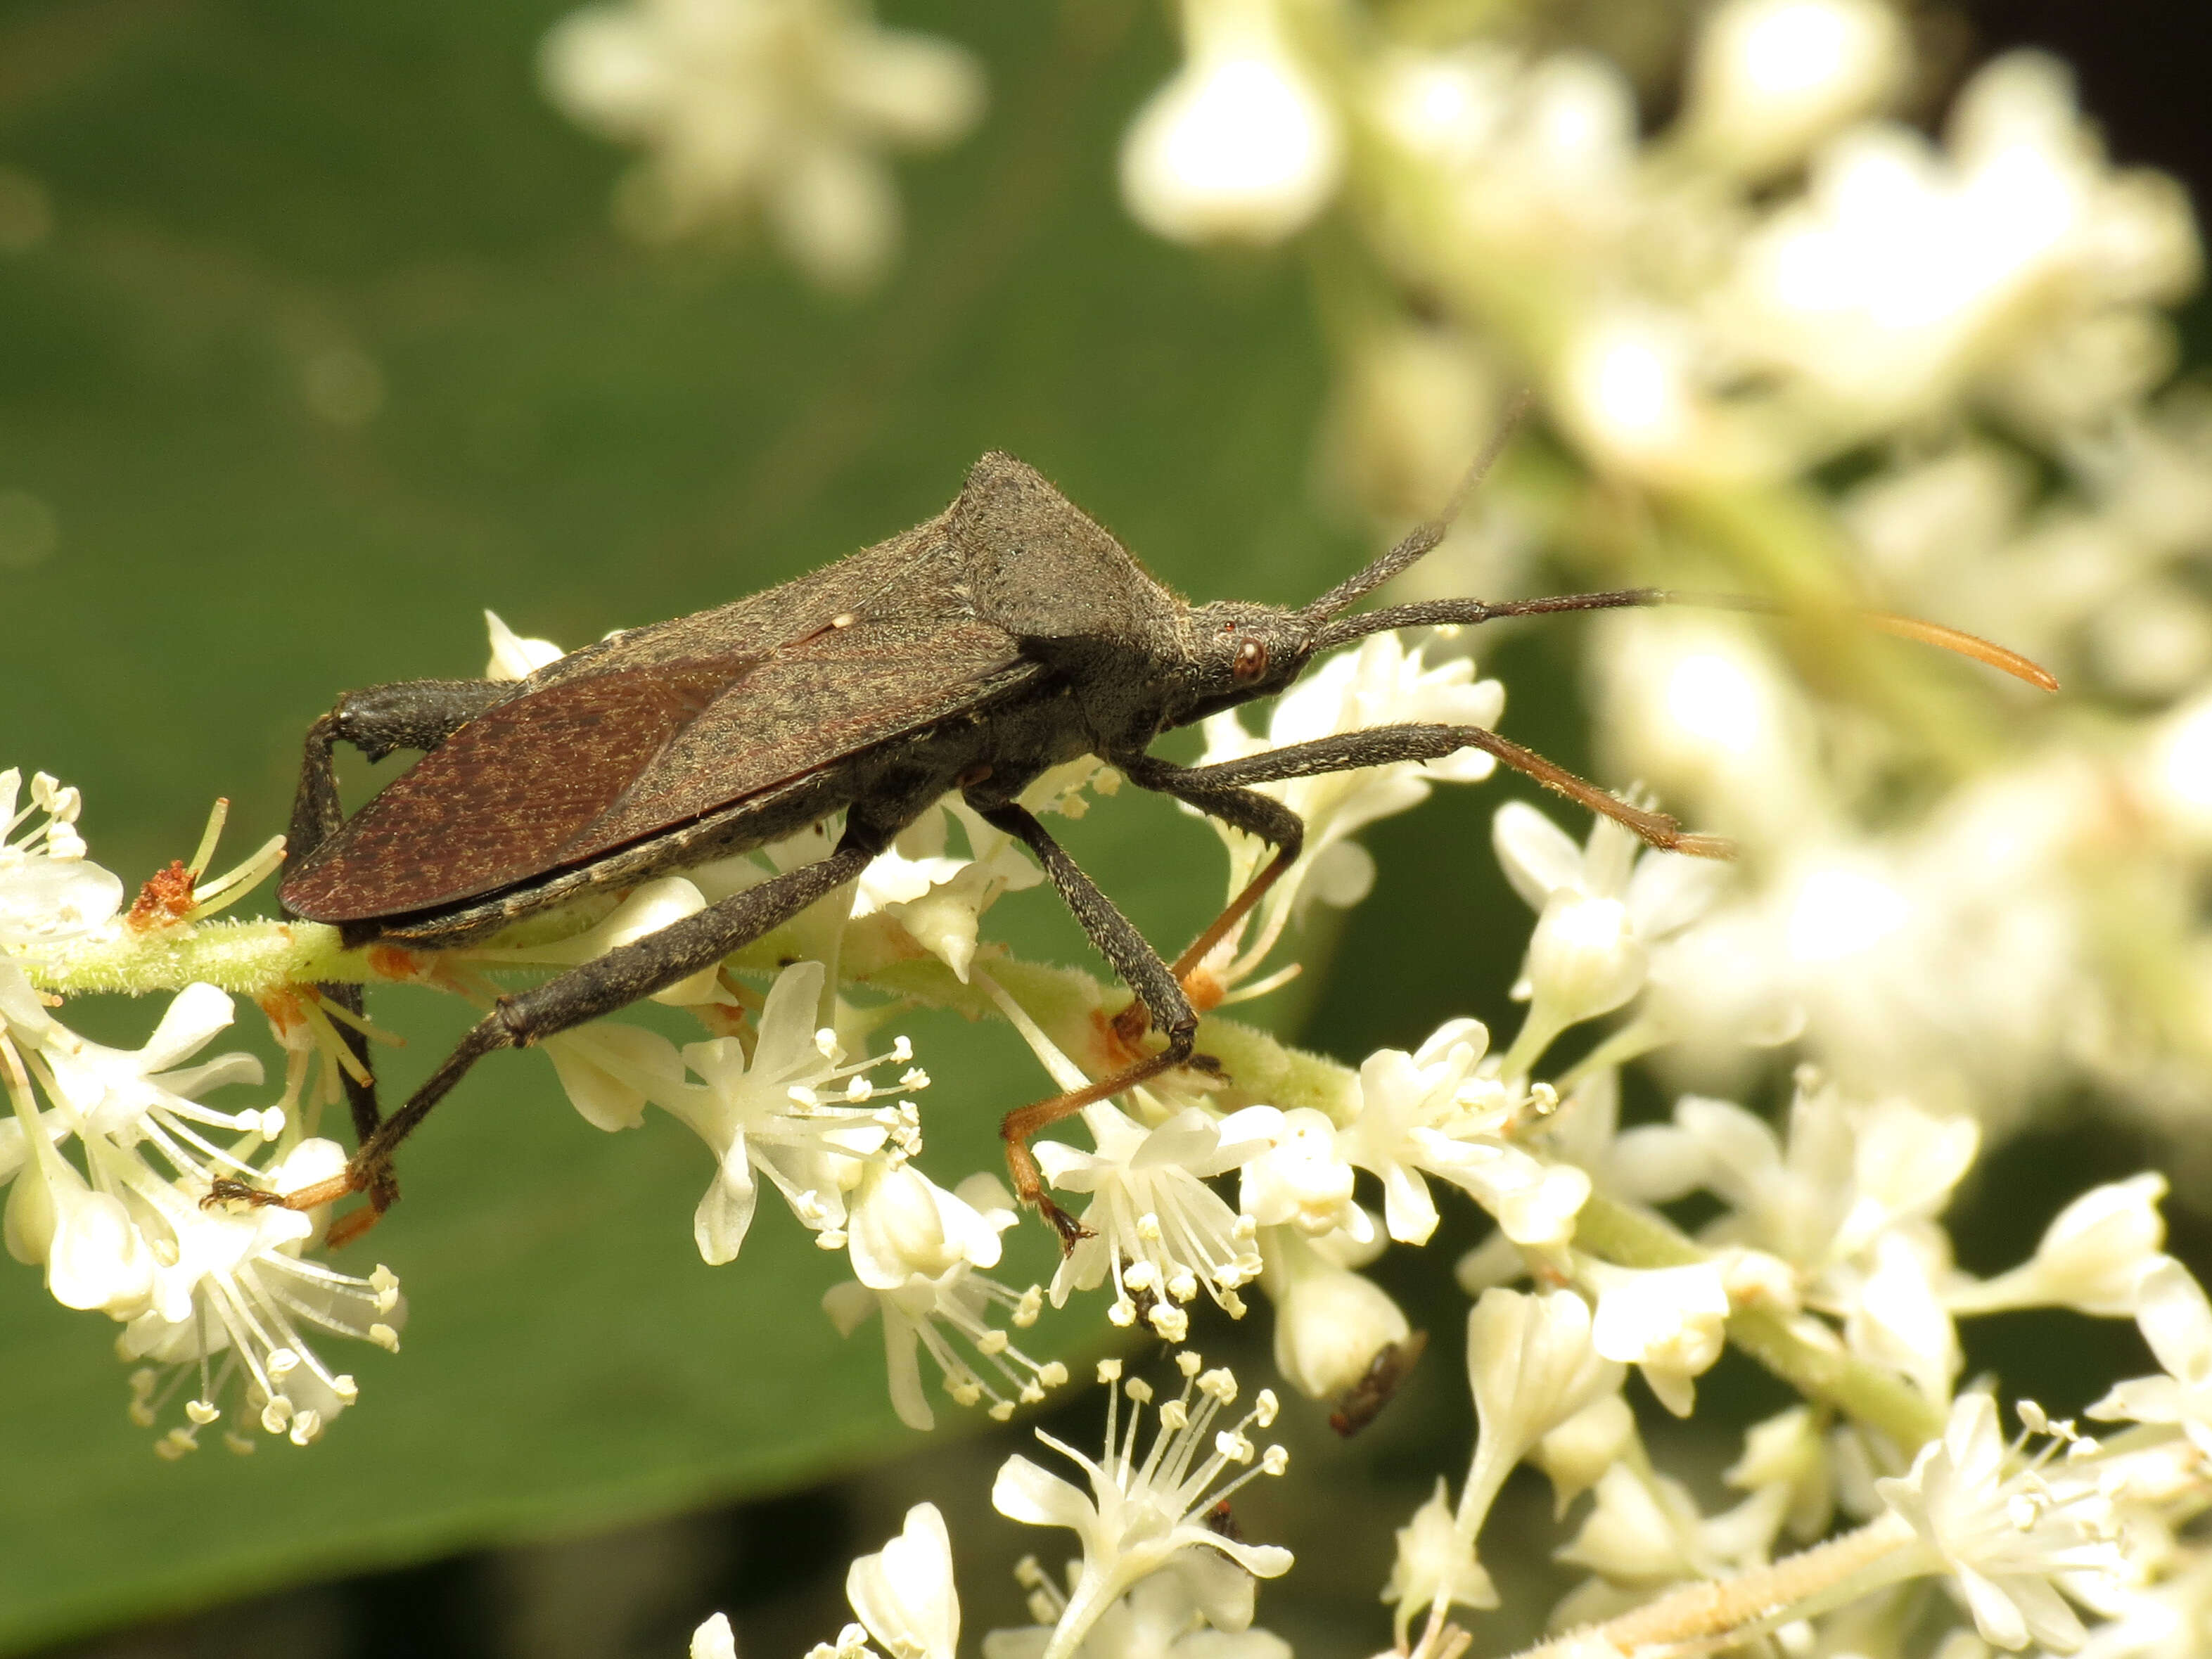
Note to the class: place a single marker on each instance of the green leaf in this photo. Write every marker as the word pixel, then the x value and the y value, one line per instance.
pixel 581 435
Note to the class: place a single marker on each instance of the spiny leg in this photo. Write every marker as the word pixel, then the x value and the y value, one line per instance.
pixel 624 975
pixel 1141 968
pixel 1384 746
pixel 1242 808
pixel 376 720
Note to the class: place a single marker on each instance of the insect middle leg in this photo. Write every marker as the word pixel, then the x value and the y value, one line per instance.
pixel 1248 809
pixel 624 975
pixel 1141 968
pixel 376 720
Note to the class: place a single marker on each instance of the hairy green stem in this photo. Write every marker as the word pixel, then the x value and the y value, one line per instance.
pixel 1074 1008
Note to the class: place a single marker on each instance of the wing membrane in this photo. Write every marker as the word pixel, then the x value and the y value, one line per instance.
pixel 565 772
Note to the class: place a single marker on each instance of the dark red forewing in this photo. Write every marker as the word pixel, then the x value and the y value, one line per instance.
pixel 818 700
pixel 499 800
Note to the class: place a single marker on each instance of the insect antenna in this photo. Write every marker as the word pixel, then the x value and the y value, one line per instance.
pixel 1422 539
pixel 1331 629
pixel 1442 613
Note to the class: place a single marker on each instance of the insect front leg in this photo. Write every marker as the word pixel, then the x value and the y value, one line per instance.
pixel 627 975
pixel 1242 808
pixel 1385 745
pixel 376 720
pixel 1141 968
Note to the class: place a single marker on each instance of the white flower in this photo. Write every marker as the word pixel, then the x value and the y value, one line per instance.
pixel 1139 1517
pixel 1896 1315
pixel 1848 1204
pixel 1636 387
pixel 939 900
pixel 1787 1450
pixel 513 658
pixel 1646 1529
pixel 915 1248
pixel 609 1069
pixel 2176 1321
pixel 1902 1165
pixel 647 909
pixel 776 1116
pixel 1575 1454
pixel 234 1287
pixel 1600 910
pixel 1331 1323
pixel 1303 1180
pixel 1532 1366
pixel 1436 1566
pixel 2092 1257
pixel 714 1639
pixel 1161 1618
pixel 1154 1225
pixel 149 1094
pixel 773 105
pixel 1540 158
pixel 1241 144
pixel 49 891
pixel 1771 78
pixel 1670 1321
pixel 2002 1533
pixel 852 1643
pixel 1903 274
pixel 904 1592
pixel 1379 684
pixel 1432 1112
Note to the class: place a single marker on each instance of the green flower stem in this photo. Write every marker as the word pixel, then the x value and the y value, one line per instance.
pixel 1074 1008
pixel 246 958
pixel 1636 1238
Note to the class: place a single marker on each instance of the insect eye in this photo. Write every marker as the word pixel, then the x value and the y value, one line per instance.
pixel 1251 661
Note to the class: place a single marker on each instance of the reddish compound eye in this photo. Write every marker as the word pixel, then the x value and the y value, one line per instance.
pixel 1251 662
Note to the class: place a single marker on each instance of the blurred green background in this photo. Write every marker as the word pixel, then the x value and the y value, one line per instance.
pixel 315 341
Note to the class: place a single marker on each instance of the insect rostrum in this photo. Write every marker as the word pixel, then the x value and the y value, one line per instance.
pixel 1004 636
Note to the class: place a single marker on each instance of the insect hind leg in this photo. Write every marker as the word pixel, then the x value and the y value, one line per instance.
pixel 376 720
pixel 624 975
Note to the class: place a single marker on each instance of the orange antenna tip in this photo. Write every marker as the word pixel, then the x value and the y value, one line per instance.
pixel 1966 645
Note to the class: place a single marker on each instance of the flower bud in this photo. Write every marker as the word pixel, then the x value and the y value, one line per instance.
pixel 1586 1445
pixel 1239 145
pixel 1584 960
pixel 1330 1324
pixel 1771 78
pixel 1668 1320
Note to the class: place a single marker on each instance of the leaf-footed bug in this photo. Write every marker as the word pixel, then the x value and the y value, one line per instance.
pixel 1004 636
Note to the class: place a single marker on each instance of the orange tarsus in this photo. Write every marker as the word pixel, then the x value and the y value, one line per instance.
pixel 350 1226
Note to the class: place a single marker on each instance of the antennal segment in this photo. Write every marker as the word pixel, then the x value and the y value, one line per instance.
pixel 1423 538
pixel 1465 613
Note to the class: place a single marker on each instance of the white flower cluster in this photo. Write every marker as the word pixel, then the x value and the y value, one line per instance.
pixel 767 108
pixel 1828 1260
pixel 1160 1573
pixel 107 1179
pixel 1784 276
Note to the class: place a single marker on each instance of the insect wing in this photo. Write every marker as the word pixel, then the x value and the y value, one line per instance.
pixel 563 773
pixel 499 799
pixel 815 702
